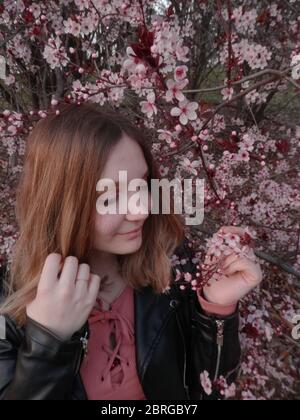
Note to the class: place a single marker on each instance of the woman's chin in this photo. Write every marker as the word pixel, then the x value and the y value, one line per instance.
pixel 131 245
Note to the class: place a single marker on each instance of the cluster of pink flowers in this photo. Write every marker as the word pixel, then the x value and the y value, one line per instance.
pixel 218 247
pixel 226 391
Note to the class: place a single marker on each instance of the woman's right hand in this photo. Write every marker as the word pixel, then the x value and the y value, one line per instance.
pixel 63 304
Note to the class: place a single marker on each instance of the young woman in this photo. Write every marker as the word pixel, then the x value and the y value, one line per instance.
pixel 91 310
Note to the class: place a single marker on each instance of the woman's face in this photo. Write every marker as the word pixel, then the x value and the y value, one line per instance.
pixel 111 229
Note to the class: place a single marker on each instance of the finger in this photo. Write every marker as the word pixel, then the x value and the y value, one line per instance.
pixel 249 252
pixel 229 260
pixel 69 273
pixel 94 287
pixel 50 271
pixel 240 265
pixel 82 280
pixel 212 260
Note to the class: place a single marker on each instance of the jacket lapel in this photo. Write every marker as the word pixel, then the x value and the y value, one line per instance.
pixel 152 312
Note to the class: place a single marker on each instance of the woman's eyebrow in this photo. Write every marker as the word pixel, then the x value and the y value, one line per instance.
pixel 147 173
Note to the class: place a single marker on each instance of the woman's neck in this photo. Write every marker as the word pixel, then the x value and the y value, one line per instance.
pixel 107 267
pixel 104 264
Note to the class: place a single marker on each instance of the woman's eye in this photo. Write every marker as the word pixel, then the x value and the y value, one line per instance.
pixel 108 201
pixel 140 188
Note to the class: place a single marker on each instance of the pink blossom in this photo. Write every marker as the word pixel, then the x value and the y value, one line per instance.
pixel 185 112
pixel 227 93
pixel 175 90
pixel 132 61
pixel 72 27
pixel 163 171
pixel 190 166
pixel 181 53
pixel 244 156
pixel 82 4
pixel 12 129
pixel 149 107
pixel 55 54
pixel 35 9
pixel 206 382
pixel 180 73
pixel 165 135
pixel 87 26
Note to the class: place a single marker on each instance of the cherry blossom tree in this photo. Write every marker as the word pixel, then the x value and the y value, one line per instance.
pixel 216 84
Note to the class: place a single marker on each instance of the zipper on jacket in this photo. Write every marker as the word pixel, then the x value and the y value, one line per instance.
pixel 83 351
pixel 184 366
pixel 220 342
pixel 84 343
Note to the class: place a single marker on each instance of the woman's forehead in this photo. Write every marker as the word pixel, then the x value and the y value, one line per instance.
pixel 127 156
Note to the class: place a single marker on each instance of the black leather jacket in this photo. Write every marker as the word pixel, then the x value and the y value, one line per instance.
pixel 175 342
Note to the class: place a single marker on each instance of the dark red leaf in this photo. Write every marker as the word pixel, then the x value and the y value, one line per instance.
pixel 28 16
pixel 170 11
pixel 283 146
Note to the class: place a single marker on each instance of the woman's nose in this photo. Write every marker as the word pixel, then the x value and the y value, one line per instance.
pixel 140 210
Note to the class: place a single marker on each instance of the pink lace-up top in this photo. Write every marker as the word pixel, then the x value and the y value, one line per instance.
pixel 109 370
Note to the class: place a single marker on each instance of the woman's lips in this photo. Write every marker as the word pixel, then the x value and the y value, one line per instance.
pixel 133 233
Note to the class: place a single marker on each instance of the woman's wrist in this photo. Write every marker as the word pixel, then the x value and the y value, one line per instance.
pixel 215 308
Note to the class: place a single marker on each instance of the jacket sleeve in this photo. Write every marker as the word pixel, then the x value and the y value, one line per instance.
pixel 35 364
pixel 214 341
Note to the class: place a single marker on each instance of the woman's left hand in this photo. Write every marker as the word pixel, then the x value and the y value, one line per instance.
pixel 239 275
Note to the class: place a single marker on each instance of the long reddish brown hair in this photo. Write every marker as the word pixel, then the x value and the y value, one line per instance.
pixel 56 196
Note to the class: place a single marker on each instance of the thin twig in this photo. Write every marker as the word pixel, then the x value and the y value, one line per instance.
pixel 275 260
